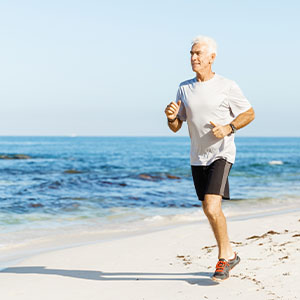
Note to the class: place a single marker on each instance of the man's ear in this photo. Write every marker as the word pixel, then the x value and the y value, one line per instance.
pixel 212 58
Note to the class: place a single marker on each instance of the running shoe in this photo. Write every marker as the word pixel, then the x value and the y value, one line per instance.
pixel 233 262
pixel 223 267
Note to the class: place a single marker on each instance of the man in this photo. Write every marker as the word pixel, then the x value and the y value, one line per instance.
pixel 214 108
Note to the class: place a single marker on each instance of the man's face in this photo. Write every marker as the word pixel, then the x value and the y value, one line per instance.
pixel 200 59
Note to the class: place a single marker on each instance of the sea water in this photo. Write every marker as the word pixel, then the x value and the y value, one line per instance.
pixel 73 181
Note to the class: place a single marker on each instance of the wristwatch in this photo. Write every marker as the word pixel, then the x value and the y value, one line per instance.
pixel 233 128
pixel 171 121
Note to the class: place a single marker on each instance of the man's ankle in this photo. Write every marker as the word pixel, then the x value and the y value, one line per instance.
pixel 232 256
pixel 228 256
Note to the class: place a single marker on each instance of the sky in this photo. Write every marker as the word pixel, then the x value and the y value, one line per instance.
pixel 109 68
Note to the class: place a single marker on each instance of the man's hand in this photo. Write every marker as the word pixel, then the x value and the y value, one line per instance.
pixel 172 109
pixel 220 131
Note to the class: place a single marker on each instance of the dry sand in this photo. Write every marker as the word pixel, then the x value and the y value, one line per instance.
pixel 169 264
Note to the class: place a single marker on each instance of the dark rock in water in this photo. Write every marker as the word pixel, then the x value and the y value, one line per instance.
pixel 172 176
pixel 106 182
pixel 14 156
pixel 36 205
pixel 157 177
pixel 113 183
pixel 72 171
pixel 145 176
pixel 149 177
pixel 55 185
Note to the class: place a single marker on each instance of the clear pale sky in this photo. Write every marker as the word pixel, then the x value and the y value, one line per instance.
pixel 110 67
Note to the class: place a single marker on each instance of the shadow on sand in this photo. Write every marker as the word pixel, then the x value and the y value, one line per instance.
pixel 107 276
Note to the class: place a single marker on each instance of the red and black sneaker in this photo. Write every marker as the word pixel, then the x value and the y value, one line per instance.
pixel 223 267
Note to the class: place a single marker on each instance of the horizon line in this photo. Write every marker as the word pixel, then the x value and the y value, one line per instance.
pixel 168 136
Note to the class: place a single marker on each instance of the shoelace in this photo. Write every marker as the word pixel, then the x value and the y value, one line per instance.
pixel 221 265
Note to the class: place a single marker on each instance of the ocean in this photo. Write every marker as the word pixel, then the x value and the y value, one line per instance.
pixel 60 182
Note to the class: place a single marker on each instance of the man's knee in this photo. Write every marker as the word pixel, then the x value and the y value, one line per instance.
pixel 212 205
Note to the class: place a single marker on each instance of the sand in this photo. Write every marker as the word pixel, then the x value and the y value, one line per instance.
pixel 168 264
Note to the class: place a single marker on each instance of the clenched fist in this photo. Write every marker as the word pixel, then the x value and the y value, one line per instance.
pixel 172 109
pixel 220 131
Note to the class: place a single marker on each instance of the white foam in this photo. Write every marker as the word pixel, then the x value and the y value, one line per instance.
pixel 175 218
pixel 275 162
pixel 153 219
pixel 6 182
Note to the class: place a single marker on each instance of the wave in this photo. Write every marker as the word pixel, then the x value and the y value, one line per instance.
pixel 276 162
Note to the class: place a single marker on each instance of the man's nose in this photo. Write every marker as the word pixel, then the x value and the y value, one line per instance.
pixel 193 57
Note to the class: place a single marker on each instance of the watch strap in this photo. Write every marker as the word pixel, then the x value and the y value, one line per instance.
pixel 171 120
pixel 233 128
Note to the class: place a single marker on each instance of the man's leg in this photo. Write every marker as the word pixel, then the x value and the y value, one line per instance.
pixel 213 210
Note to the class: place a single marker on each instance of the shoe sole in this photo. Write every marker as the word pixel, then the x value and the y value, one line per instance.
pixel 220 280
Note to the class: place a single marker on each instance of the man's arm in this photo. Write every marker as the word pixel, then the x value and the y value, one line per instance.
pixel 243 119
pixel 176 125
pixel 240 121
pixel 171 112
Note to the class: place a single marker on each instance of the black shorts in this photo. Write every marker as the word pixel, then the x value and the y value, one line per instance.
pixel 212 179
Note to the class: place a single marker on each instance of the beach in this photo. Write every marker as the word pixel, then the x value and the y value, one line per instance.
pixel 171 262
pixel 118 218
pixel 112 156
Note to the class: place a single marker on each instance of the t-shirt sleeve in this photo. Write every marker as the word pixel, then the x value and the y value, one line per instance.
pixel 181 113
pixel 237 101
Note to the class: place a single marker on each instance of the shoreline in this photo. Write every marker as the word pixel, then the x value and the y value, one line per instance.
pixel 83 236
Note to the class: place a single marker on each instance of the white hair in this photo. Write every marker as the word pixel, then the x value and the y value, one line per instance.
pixel 211 43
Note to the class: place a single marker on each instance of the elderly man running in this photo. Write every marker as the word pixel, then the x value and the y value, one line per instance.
pixel 214 108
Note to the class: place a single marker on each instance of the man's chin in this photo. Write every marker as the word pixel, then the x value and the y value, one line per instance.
pixel 195 69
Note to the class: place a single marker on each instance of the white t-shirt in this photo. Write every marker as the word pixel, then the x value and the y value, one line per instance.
pixel 218 100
